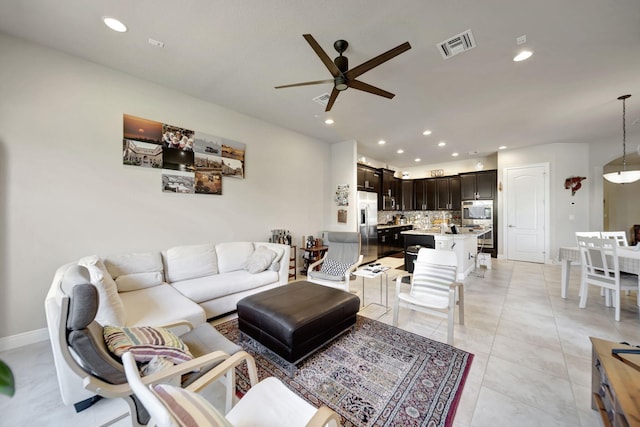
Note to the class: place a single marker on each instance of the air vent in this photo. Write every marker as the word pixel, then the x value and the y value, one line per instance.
pixel 456 44
pixel 322 99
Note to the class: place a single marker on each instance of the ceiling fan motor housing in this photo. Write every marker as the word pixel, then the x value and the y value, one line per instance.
pixel 342 62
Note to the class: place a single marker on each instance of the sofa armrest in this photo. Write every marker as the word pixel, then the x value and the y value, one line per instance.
pixel 179 327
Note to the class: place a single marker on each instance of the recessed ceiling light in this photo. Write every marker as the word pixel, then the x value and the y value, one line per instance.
pixel 400 151
pixel 426 132
pixel 441 144
pixel 328 121
pixel 382 142
pixel 455 154
pixel 525 54
pixel 502 147
pixel 418 159
pixel 114 24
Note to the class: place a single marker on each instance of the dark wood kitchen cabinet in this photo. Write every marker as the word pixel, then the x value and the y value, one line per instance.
pixel 448 193
pixel 368 179
pixel 420 194
pixel 478 185
pixel 407 195
pixel 431 194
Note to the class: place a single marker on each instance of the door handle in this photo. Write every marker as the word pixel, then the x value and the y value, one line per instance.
pixel 512 226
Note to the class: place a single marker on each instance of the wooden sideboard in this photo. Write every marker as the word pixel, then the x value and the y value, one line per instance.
pixel 615 384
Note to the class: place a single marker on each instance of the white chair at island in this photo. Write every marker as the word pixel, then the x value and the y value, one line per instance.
pixel 434 289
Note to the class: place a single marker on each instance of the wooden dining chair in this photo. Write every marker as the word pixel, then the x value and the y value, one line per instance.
pixel 601 267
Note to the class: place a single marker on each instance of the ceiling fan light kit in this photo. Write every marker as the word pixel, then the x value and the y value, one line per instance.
pixel 343 77
pixel 624 176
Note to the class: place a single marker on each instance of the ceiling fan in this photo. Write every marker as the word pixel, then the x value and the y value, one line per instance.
pixel 343 77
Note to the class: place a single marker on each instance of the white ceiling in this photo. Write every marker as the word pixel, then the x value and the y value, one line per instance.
pixel 233 53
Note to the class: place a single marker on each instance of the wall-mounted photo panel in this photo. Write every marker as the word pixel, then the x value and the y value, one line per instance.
pixel 176 137
pixel 136 153
pixel 191 161
pixel 141 142
pixel 207 144
pixel 177 181
pixel 208 173
pixel 208 182
pixel 233 153
pixel 177 159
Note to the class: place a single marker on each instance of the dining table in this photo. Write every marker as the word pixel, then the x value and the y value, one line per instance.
pixel 628 259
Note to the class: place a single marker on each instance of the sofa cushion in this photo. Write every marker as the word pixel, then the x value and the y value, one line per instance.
pixel 135 281
pixel 111 310
pixel 160 305
pixel 233 255
pixel 189 262
pixel 260 260
pixel 220 285
pixel 132 263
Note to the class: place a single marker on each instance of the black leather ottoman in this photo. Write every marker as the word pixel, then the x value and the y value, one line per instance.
pixel 295 320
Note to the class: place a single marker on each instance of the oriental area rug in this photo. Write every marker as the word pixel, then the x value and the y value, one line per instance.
pixel 377 375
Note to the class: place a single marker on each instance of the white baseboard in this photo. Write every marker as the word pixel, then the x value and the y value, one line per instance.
pixel 26 338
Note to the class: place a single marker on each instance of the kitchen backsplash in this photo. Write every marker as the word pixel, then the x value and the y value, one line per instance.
pixel 419 219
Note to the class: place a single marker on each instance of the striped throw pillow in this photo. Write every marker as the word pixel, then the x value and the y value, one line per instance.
pixel 145 342
pixel 189 409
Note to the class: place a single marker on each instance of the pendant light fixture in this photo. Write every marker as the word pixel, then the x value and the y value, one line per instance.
pixel 624 176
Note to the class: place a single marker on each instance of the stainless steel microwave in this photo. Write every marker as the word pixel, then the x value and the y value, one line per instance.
pixel 477 212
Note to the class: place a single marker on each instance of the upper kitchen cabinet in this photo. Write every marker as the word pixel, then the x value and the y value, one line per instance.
pixel 368 179
pixel 388 198
pixel 407 194
pixel 478 185
pixel 420 194
pixel 447 193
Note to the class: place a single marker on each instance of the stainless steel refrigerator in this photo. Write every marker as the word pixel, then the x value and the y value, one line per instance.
pixel 368 224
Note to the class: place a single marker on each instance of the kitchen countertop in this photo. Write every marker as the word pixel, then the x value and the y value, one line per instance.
pixel 464 232
pixel 385 226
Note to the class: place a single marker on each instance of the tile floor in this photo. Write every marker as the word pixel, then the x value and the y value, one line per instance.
pixel 531 365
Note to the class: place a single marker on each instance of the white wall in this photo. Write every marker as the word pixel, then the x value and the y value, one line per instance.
pixel 568 213
pixel 343 172
pixel 64 192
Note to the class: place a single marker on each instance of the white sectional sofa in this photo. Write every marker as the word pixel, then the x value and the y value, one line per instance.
pixel 192 283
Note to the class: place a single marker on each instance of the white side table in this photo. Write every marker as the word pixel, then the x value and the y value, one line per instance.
pixel 370 273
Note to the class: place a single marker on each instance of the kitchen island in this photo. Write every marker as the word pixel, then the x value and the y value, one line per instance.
pixel 465 245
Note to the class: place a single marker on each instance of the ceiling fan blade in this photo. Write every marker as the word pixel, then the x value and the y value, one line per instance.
pixel 332 99
pixel 357 84
pixel 328 62
pixel 317 82
pixel 374 62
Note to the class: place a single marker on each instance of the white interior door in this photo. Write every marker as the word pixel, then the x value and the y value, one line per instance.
pixel 525 196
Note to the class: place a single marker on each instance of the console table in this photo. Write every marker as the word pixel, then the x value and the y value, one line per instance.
pixel 615 384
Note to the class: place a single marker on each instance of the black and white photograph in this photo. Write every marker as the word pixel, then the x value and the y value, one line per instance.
pixel 177 182
pixel 136 153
